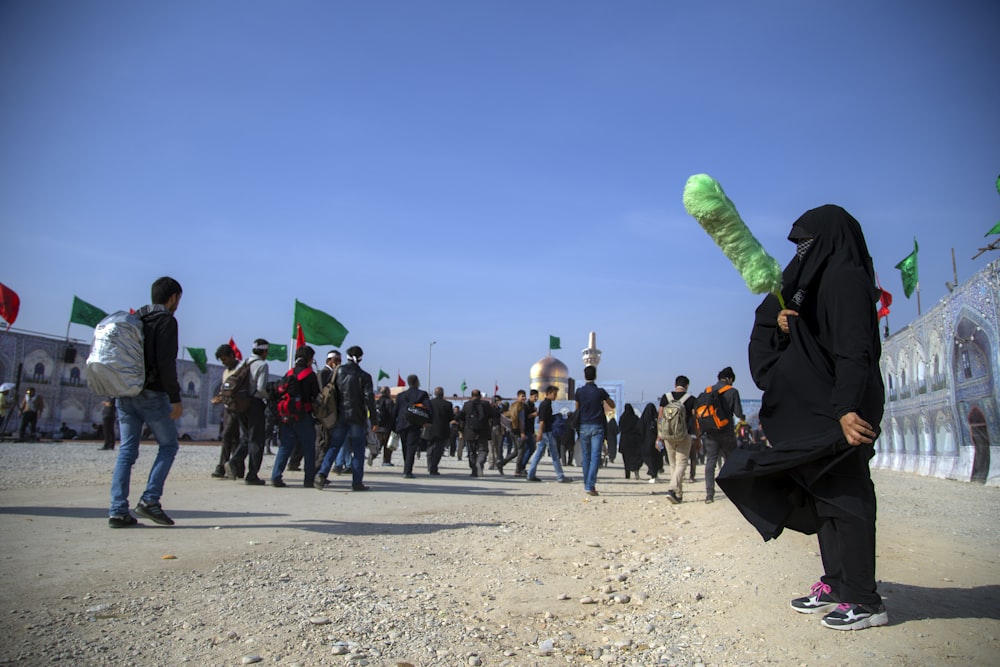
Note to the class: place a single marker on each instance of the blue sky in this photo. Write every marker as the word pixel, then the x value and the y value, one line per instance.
pixel 482 174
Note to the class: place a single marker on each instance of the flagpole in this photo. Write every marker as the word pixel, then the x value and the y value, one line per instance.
pixel 918 299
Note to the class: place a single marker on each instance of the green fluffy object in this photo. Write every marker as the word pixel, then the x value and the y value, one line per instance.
pixel 717 215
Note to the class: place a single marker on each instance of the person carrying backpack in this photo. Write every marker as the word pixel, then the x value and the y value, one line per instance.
pixel 675 426
pixel 157 406
pixel 476 417
pixel 722 400
pixel 297 392
pixel 355 412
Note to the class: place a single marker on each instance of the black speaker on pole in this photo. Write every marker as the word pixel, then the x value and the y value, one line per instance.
pixel 69 355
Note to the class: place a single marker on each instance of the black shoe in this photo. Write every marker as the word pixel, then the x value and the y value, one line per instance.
pixel 122 521
pixel 434 473
pixel 254 481
pixel 673 497
pixel 339 470
pixel 229 471
pixel 533 479
pixel 409 476
pixel 709 501
pixel 499 469
pixel 319 481
pixel 520 473
pixel 565 480
pixel 295 468
pixel 154 513
pixel 278 483
pixel 359 487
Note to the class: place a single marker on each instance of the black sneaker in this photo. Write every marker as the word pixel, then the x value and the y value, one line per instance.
pixel 359 487
pixel 533 479
pixel 154 513
pixel 673 497
pixel 818 601
pixel 254 481
pixel 565 480
pixel 848 616
pixel 122 521
pixel 220 472
pixel 278 483
pixel 319 481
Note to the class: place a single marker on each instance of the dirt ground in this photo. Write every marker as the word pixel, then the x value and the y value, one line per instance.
pixel 474 571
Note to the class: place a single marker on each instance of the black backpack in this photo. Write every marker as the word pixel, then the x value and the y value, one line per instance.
pixel 476 419
pixel 235 392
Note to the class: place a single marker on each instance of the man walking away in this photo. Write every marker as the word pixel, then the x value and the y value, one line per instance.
pixel 590 406
pixel 157 406
pixel 253 422
pixel 722 440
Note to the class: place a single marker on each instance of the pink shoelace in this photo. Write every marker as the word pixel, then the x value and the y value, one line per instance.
pixel 819 588
pixel 844 606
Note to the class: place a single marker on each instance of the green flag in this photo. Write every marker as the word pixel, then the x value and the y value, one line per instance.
pixel 554 343
pixel 381 374
pixel 199 358
pixel 85 313
pixel 908 270
pixel 277 352
pixel 994 230
pixel 463 387
pixel 318 327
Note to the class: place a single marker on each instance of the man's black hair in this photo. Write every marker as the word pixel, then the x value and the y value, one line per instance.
pixel 682 381
pixel 412 381
pixel 224 350
pixel 590 373
pixel 163 289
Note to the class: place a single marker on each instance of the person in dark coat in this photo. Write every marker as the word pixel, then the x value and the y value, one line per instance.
pixel 630 441
pixel 817 363
pixel 651 456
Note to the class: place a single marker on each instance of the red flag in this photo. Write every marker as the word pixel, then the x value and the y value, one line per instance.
pixel 399 380
pixel 885 300
pixel 10 303
pixel 300 338
pixel 236 350
pixel 496 388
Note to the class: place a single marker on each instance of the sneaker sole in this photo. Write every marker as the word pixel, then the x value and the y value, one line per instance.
pixel 160 520
pixel 818 609
pixel 872 621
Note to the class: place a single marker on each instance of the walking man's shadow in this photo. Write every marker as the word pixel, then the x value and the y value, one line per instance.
pixel 917 603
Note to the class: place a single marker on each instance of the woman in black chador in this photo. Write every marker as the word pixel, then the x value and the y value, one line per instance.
pixel 629 441
pixel 651 456
pixel 817 363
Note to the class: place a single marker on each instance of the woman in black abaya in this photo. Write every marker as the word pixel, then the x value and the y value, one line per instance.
pixel 629 441
pixel 651 456
pixel 817 363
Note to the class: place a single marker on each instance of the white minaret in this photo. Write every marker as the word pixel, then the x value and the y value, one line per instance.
pixel 592 356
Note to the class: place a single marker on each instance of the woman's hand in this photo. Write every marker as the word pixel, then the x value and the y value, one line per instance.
pixel 856 430
pixel 783 319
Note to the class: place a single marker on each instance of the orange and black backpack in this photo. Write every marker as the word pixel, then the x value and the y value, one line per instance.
pixel 709 413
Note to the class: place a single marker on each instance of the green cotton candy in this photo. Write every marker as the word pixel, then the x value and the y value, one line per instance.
pixel 717 215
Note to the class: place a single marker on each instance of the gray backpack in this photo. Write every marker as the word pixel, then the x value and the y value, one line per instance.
pixel 672 424
pixel 116 365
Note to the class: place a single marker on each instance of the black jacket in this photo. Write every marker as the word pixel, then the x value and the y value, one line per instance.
pixel 442 412
pixel 159 331
pixel 355 396
pixel 483 433
pixel 411 396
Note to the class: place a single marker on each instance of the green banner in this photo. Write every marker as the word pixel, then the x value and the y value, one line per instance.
pixel 318 327
pixel 199 357
pixel 85 313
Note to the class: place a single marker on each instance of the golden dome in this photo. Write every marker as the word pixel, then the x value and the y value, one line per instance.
pixel 549 368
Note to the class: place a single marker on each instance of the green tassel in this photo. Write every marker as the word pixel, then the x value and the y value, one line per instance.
pixel 717 215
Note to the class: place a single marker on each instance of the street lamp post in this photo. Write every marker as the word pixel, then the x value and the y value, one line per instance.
pixel 429 349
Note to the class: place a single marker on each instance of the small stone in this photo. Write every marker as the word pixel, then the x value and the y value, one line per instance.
pixel 475 661
pixel 563 596
pixel 96 609
pixel 592 543
pixel 586 599
pixel 168 557
pixel 622 598
pixel 339 649
pixel 319 620
pixel 251 659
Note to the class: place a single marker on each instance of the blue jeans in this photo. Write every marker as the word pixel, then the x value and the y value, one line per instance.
pixel 303 434
pixel 591 443
pixel 354 435
pixel 153 409
pixel 548 441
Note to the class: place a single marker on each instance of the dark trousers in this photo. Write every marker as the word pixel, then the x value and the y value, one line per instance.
pixel 29 418
pixel 520 447
pixel 434 453
pixel 478 452
pixel 108 426
pixel 411 443
pixel 252 442
pixel 230 438
pixel 715 444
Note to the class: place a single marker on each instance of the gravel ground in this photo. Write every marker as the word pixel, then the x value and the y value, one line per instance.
pixel 459 571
